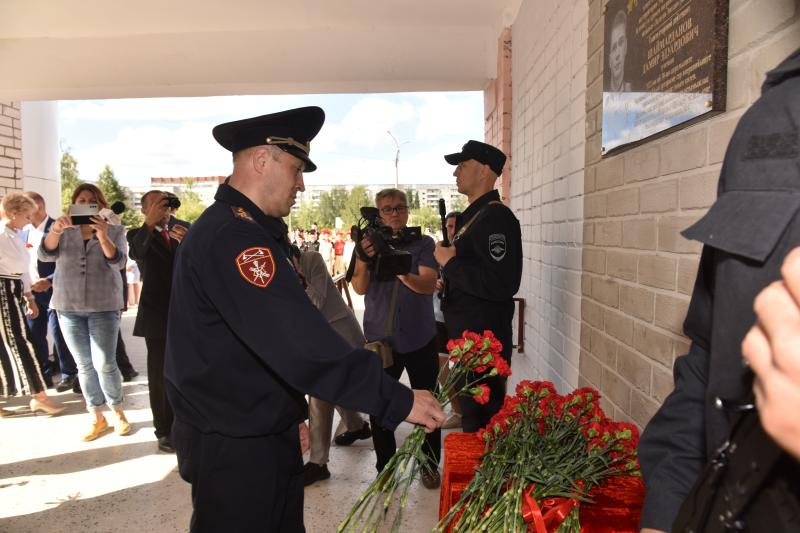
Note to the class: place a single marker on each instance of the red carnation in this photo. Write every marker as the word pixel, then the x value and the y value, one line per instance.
pixel 480 393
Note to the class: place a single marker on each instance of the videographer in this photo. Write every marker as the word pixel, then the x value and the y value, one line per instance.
pixel 153 247
pixel 407 317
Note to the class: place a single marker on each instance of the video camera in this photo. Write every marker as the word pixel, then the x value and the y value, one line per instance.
pixel 388 261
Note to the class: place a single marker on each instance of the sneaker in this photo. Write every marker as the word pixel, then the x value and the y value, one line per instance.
pixel 452 422
pixel 68 383
pixel 349 437
pixel 312 472
pixel 128 376
pixel 99 427
pixel 122 427
pixel 431 479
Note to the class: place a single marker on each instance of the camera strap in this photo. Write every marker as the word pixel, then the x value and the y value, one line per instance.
pixel 392 305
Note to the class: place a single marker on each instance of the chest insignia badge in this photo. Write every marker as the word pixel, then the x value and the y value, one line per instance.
pixel 257 266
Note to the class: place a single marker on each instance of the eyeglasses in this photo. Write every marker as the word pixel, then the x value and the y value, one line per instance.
pixel 400 210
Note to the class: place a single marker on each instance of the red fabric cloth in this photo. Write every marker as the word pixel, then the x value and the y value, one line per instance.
pixel 617 502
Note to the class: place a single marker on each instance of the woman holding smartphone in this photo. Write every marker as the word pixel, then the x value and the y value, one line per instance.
pixel 87 296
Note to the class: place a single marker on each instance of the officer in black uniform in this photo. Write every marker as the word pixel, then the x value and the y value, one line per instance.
pixel 245 343
pixel 747 233
pixel 483 267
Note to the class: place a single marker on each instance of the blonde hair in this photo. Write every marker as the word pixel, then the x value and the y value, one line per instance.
pixel 16 202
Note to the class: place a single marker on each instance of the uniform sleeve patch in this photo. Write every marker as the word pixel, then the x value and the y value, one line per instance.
pixel 257 266
pixel 497 246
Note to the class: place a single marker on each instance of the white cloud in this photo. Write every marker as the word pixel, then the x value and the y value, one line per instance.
pixel 139 153
pixel 365 125
pixel 442 115
pixel 144 138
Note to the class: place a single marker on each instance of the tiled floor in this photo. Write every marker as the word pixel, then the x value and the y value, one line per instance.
pixel 51 481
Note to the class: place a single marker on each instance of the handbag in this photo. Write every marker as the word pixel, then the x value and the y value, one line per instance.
pixel 750 485
pixel 383 348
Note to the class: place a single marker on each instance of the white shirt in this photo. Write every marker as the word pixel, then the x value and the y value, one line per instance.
pixel 14 256
pixel 35 236
pixel 326 250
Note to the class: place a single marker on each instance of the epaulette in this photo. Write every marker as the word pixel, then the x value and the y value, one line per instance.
pixel 240 212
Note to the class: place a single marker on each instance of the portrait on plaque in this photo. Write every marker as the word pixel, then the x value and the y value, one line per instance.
pixel 664 64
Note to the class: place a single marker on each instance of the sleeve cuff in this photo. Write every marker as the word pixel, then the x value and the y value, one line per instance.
pixel 402 399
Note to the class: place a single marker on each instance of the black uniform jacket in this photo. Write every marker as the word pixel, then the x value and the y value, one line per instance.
pixel 244 342
pixel 483 277
pixel 154 258
pixel 747 234
pixel 45 270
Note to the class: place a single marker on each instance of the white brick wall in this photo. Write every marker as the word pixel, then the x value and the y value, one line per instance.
pixel 549 65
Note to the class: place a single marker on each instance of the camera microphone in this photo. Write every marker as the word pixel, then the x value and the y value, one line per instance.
pixel 118 207
pixel 442 215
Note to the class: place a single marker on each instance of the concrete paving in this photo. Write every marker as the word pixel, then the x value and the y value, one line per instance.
pixel 51 481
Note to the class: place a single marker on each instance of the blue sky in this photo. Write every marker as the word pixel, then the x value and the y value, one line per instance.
pixel 171 137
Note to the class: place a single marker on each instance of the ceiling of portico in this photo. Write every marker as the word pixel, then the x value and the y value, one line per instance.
pixel 76 49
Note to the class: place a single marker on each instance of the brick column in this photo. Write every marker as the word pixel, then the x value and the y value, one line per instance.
pixel 10 147
pixel 497 110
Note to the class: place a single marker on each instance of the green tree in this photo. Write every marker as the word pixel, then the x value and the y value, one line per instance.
pixel 357 199
pixel 114 192
pixel 191 207
pixel 303 217
pixel 459 205
pixel 332 205
pixel 425 217
pixel 69 179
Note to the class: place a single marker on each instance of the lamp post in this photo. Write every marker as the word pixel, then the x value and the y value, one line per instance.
pixel 396 159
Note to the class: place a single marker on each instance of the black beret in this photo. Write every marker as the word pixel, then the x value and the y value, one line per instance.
pixel 291 131
pixel 480 152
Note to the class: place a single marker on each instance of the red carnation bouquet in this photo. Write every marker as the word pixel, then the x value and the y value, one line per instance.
pixel 544 452
pixel 474 357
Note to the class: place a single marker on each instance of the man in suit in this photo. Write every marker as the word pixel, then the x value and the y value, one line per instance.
pixel 42 288
pixel 153 248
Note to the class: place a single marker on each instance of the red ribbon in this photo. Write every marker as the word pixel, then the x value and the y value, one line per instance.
pixel 550 515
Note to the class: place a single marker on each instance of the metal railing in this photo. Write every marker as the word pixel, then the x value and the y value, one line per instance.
pixel 520 345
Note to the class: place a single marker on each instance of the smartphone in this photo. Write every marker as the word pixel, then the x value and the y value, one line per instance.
pixel 83 213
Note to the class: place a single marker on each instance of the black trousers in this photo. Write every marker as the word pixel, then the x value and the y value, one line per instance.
pixel 422 366
pixel 159 404
pixel 123 362
pixel 245 485
pixel 475 416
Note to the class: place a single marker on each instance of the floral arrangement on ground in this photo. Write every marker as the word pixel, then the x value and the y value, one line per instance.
pixel 544 453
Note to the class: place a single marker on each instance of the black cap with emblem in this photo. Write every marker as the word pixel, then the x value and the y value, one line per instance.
pixel 480 152
pixel 291 131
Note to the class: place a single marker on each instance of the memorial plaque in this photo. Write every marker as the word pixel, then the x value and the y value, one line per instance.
pixel 665 64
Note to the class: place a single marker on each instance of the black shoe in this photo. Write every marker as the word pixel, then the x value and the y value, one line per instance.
pixel 67 383
pixel 431 479
pixel 349 437
pixel 76 387
pixel 165 445
pixel 128 376
pixel 312 472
